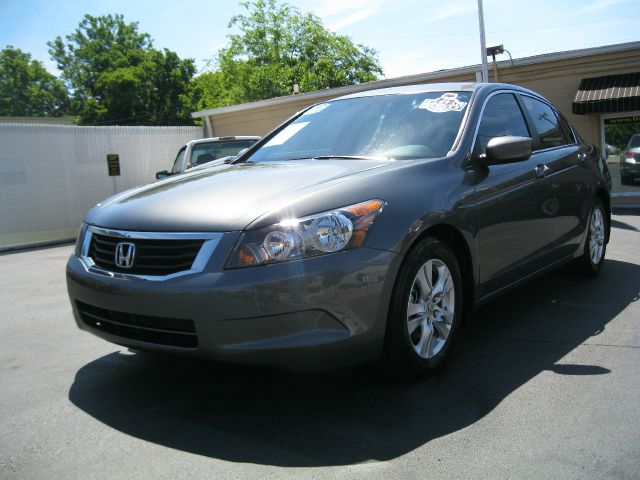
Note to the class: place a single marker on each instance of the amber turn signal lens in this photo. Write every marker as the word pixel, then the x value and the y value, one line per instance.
pixel 246 257
pixel 364 208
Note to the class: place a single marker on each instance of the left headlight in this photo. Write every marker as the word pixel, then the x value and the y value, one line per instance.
pixel 291 239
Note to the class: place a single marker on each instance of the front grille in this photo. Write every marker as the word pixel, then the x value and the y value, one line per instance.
pixel 176 332
pixel 152 256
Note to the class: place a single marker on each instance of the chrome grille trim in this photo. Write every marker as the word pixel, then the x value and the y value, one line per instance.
pixel 211 241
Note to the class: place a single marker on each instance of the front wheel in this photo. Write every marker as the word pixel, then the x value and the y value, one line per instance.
pixel 425 312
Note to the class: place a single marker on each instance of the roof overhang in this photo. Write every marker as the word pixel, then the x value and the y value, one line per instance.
pixel 608 94
pixel 440 75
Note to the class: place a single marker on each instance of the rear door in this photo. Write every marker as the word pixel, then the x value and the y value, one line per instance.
pixel 561 159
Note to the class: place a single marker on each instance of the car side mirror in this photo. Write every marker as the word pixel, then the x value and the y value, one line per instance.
pixel 162 174
pixel 507 149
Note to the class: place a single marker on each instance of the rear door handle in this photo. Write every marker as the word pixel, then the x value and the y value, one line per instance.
pixel 540 171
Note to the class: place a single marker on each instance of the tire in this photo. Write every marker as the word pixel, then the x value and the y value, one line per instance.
pixel 419 338
pixel 625 180
pixel 595 248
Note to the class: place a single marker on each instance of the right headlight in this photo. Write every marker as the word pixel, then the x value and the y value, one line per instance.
pixel 291 239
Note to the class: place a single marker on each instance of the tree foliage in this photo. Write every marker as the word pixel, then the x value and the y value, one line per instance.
pixel 278 46
pixel 116 76
pixel 111 74
pixel 208 91
pixel 620 134
pixel 27 89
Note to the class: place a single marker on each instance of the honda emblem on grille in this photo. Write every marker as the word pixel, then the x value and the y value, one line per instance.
pixel 125 253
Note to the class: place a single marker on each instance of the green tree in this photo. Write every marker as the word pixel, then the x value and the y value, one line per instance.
pixel 278 46
pixel 208 91
pixel 27 89
pixel 117 77
pixel 619 134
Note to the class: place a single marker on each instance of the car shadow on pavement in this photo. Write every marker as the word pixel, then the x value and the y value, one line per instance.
pixel 270 417
pixel 623 225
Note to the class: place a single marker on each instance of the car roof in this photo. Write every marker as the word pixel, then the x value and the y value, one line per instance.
pixel 438 87
pixel 420 88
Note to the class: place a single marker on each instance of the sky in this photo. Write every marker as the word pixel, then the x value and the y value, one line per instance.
pixel 410 36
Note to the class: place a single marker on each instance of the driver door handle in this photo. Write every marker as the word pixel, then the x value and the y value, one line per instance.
pixel 540 171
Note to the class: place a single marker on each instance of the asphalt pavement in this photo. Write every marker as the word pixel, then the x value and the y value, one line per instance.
pixel 544 384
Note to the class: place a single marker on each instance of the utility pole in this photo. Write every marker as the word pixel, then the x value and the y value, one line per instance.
pixel 483 44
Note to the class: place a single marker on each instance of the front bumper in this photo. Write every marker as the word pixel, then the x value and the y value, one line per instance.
pixel 318 313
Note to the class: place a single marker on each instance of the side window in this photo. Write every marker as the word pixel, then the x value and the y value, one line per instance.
pixel 546 123
pixel 501 117
pixel 568 131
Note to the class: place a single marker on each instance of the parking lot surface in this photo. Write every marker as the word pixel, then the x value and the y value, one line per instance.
pixel 544 384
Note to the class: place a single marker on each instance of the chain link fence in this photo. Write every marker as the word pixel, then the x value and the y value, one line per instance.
pixel 51 175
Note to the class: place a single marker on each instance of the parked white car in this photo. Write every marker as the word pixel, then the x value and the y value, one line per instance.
pixel 206 150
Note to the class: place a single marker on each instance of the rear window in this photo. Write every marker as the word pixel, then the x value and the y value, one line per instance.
pixel 207 152
pixel 634 142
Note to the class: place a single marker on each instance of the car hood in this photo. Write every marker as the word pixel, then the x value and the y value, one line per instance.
pixel 223 198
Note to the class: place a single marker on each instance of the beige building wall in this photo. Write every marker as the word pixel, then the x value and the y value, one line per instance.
pixel 558 81
pixel 555 76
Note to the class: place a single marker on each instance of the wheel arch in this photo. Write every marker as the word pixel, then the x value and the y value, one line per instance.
pixel 456 240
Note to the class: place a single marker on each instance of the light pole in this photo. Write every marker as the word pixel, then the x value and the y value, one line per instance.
pixel 483 48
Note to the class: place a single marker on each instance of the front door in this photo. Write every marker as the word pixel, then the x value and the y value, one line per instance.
pixel 511 200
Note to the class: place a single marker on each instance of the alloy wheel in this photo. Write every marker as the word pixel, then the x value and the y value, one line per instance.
pixel 430 308
pixel 596 236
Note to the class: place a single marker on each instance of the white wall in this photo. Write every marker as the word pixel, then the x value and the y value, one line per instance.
pixel 50 175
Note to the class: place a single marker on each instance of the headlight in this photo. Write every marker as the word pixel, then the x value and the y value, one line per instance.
pixel 292 239
pixel 80 240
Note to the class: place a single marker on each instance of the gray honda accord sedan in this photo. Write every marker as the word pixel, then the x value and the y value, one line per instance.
pixel 365 227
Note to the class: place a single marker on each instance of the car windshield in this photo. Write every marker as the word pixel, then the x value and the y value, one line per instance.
pixel 207 152
pixel 405 126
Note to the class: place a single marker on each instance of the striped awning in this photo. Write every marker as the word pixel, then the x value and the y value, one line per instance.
pixel 609 94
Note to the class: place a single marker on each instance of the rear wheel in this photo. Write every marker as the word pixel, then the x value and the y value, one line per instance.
pixel 425 311
pixel 592 258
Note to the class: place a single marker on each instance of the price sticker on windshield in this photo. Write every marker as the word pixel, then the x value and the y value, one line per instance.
pixel 447 102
